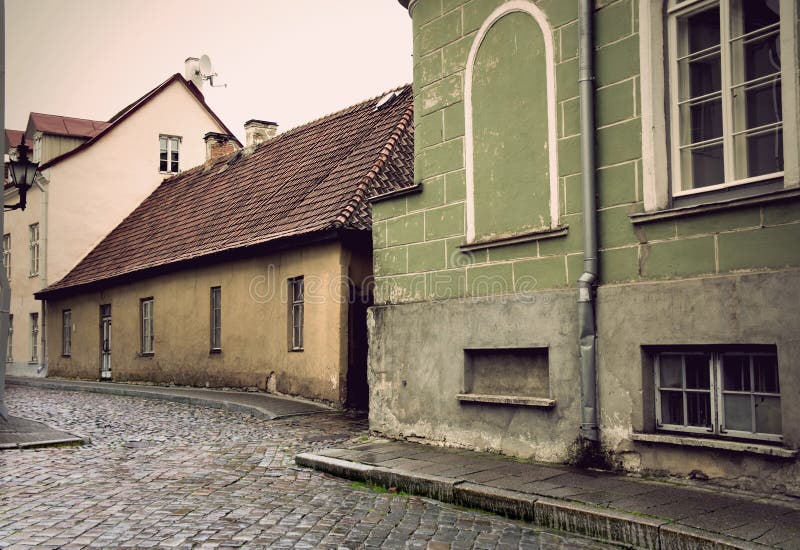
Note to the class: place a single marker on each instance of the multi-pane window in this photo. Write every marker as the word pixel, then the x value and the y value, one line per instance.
pixel 34 337
pixel 147 326
pixel 726 393
pixel 725 89
pixel 10 342
pixel 169 151
pixel 7 255
pixel 216 318
pixel 66 332
pixel 33 245
pixel 296 293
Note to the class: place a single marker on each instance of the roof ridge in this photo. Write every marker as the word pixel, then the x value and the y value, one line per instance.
pixel 335 114
pixel 360 192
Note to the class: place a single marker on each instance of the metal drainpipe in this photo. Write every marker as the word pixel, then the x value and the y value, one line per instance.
pixel 43 256
pixel 587 283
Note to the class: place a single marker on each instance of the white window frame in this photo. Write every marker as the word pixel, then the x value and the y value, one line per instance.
pixel 66 333
pixel 296 313
pixel 10 342
pixel 146 308
pixel 34 318
pixel 7 255
pixel 172 141
pixel 216 318
pixel 716 392
pixel 658 170
pixel 550 81
pixel 33 246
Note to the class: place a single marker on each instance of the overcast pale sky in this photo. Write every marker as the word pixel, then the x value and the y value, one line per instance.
pixel 289 61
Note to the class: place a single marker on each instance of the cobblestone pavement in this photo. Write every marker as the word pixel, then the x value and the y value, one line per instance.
pixel 163 474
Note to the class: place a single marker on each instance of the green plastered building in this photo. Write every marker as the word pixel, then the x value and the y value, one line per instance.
pixel 474 336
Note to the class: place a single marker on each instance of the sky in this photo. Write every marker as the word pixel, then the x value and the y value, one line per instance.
pixel 288 61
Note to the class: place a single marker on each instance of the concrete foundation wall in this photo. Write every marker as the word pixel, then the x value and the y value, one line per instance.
pixel 417 369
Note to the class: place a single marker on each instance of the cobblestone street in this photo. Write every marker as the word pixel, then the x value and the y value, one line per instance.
pixel 163 474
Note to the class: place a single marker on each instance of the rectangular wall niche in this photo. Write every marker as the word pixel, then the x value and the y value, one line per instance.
pixel 507 376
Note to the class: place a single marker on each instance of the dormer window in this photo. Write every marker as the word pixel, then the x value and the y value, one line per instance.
pixel 168 159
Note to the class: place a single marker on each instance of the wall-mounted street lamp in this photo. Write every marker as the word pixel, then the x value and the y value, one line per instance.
pixel 23 172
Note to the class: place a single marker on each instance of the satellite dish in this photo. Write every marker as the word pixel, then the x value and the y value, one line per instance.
pixel 206 71
pixel 205 66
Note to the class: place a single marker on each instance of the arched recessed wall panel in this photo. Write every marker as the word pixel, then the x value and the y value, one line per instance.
pixel 512 183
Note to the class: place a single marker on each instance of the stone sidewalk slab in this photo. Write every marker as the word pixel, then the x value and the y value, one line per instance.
pixel 21 433
pixel 257 404
pixel 609 507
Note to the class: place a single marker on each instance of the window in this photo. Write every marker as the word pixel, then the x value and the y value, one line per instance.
pixel 66 333
pixel 7 255
pixel 732 96
pixel 34 337
pixel 725 70
pixel 216 318
pixel 727 393
pixel 296 292
pixel 10 342
pixel 147 326
pixel 33 234
pixel 168 158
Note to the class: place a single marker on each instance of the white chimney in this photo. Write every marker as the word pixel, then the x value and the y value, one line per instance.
pixel 191 72
pixel 259 131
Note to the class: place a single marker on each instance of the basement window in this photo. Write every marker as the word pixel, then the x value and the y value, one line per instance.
pixel 726 392
pixel 507 376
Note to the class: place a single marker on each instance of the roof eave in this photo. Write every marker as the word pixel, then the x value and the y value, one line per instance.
pixel 276 245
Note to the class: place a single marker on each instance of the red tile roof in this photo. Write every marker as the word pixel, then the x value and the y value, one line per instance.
pixel 14 138
pixel 315 178
pixel 106 127
pixel 64 125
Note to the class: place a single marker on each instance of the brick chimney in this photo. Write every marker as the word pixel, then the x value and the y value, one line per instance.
pixel 259 131
pixel 218 145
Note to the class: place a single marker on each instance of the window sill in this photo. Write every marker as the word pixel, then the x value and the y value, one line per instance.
pixel 66 356
pixel 718 444
pixel 538 235
pixel 145 355
pixel 295 350
pixel 33 362
pixel 680 212
pixel 169 173
pixel 215 351
pixel 523 401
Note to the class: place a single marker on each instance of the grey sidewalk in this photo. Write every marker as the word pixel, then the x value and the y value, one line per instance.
pixel 613 508
pixel 260 405
pixel 21 433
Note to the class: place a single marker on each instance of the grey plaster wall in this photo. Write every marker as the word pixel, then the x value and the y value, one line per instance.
pixel 416 368
pixel 750 308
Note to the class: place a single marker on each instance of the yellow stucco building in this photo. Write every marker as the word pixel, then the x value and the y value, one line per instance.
pixel 251 270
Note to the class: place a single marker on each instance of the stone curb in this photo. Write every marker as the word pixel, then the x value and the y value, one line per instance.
pixel 604 524
pixel 77 440
pixel 131 392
